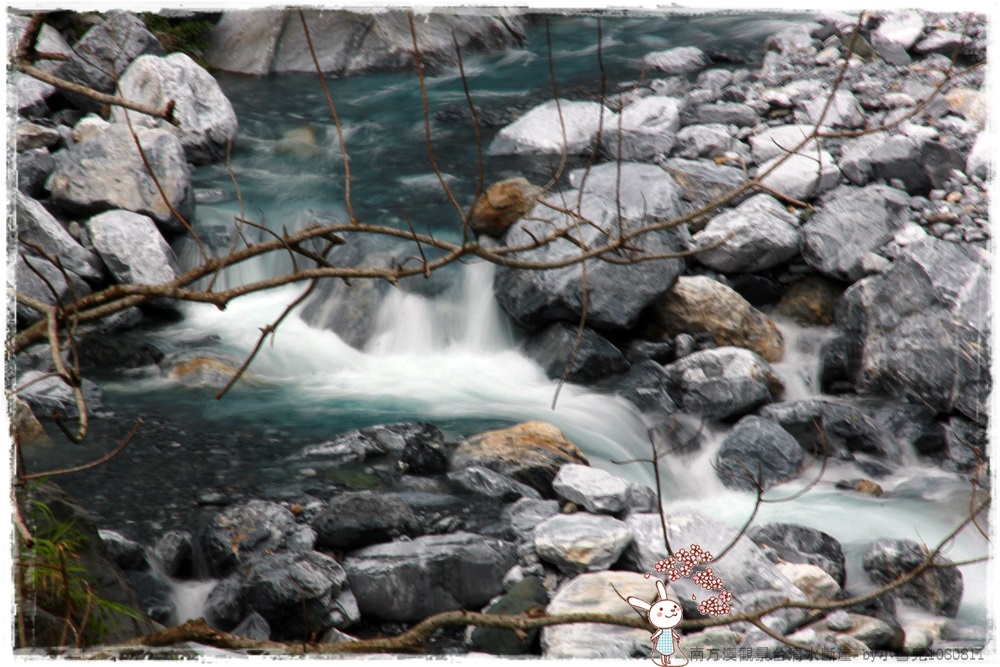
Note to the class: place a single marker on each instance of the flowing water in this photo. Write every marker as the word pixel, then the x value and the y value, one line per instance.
pixel 451 359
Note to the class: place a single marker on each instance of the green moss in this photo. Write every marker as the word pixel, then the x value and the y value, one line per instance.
pixel 181 34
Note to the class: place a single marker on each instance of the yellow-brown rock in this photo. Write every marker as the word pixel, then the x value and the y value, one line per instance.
pixel 697 304
pixel 27 429
pixel 201 370
pixel 531 453
pixel 865 486
pixel 501 206
pixel 811 301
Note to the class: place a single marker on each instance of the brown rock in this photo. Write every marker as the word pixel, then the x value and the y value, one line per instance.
pixel 810 301
pixel 861 486
pixel 531 453
pixel 697 304
pixel 502 205
pixel 27 428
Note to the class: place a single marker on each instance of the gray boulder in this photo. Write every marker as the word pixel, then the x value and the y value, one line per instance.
pixel 777 141
pixel 756 453
pixel 357 519
pixel 758 234
pixel 349 43
pixel 617 292
pixel 597 490
pixel 980 160
pixel 243 532
pixel 581 542
pixel 801 176
pixel 595 592
pixel 703 181
pixel 207 119
pixel 792 543
pixel 541 129
pixel 486 482
pixel 709 141
pixel 371 441
pixel 104 52
pixel 132 248
pixel 922 329
pixel 723 383
pixel 33 169
pixel 851 223
pixel 647 387
pixel 37 226
pixel 526 513
pixel 901 28
pixel 126 554
pixel 42 281
pixel 723 113
pixel 594 358
pixel 938 589
pixel 837 428
pixel 297 593
pixel 844 112
pixel 409 581
pixel 174 553
pixel 899 157
pixel 108 173
pixel 856 156
pixel 679 60
pixel 644 129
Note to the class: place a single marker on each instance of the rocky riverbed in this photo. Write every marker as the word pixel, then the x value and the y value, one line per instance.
pixel 871 245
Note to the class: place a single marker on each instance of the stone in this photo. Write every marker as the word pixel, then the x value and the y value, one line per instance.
pixel 679 60
pixel 89 127
pixel 811 301
pixel 486 482
pixel 423 457
pixel 937 590
pixel 723 383
pixel 777 141
pixel 815 584
pixel 201 368
pixel 132 248
pixel 827 425
pixel 980 161
pixel 49 40
pixel 595 593
pixel 851 223
pixel 173 551
pixel 372 441
pixel 555 349
pixel 541 130
pixel 597 490
pixel 899 158
pixel 709 141
pixel 856 156
pixel 700 305
pixel 33 169
pixel 792 543
pixel 103 54
pixel 944 42
pixel 758 234
pixel 207 120
pixel 243 532
pixel 30 95
pixel 254 626
pixel 523 515
pixel 756 453
pixel 297 593
pixel 502 205
pixel 581 542
pixel 126 554
pixel 42 281
pixel 902 28
pixel 723 113
pixel 531 453
pixel 31 135
pixel 647 387
pixel 616 292
pixel 155 596
pixel 46 395
pixel 409 581
pixel 358 519
pixel 37 226
pixel 108 173
pixel 527 594
pixel 865 486
pixel 245 41
pixel 645 129
pixel 921 330
pixel 802 176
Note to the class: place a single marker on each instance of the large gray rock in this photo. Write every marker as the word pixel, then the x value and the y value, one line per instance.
pixel 523 515
pixel 644 129
pixel 724 113
pixel 745 569
pixel 980 160
pixel 104 52
pixel 409 581
pixel 357 519
pixel 297 593
pixel 856 156
pixel 938 590
pixel 851 223
pixel 777 141
pixel 371 441
pixel 828 426
pixel 37 226
pixel 489 483
pixel 844 112
pixel 758 234
pixel 709 141
pixel 616 292
pixel 723 383
pixel 108 173
pixel 207 120
pixel 349 43
pixel 922 329
pixel 791 543
pixel 46 395
pixel 29 95
pixel 541 130
pixel 900 157
pixel 801 176
pixel 679 60
pixel 243 532
pixel 901 28
pixel 33 169
pixel 596 593
pixel 132 248
pixel 758 453
pixel 581 542
pixel 597 490
pixel 595 357
pixel 42 281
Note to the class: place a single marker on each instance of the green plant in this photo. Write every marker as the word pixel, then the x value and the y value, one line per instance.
pixel 183 35
pixel 53 578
